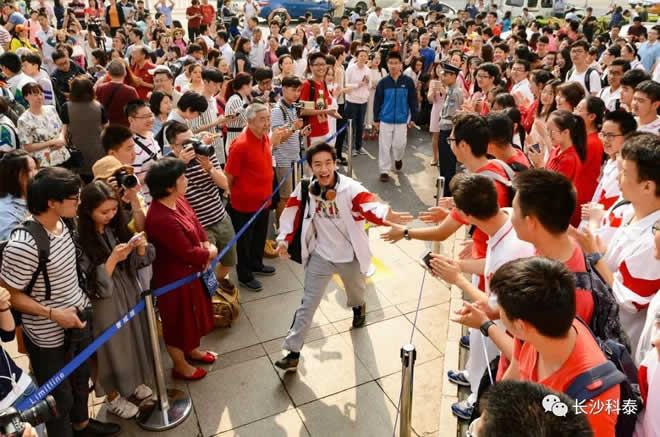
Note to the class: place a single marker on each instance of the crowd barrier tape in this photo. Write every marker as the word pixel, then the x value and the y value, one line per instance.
pixel 99 341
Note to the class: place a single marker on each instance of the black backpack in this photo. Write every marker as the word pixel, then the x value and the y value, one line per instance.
pixel 605 323
pixel 295 247
pixel 587 77
pixel 618 369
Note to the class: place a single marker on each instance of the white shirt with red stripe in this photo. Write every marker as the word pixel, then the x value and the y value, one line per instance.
pixel 504 246
pixel 612 220
pixel 648 425
pixel 608 191
pixel 630 256
pixel 354 205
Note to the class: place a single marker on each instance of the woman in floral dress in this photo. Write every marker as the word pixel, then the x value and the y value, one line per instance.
pixel 40 129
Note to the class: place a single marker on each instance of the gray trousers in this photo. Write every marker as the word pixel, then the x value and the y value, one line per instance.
pixel 318 273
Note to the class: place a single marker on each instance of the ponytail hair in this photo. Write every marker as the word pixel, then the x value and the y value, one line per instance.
pixel 578 131
pixel 596 107
pixel 237 83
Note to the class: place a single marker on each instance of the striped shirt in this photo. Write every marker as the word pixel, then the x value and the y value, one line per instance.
pixel 207 117
pixel 235 105
pixel 144 160
pixel 289 150
pixel 203 194
pixel 20 259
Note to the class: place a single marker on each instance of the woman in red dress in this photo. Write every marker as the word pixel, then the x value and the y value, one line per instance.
pixel 182 248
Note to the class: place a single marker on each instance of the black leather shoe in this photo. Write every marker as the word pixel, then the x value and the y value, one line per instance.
pixel 265 271
pixel 359 316
pixel 252 285
pixel 95 428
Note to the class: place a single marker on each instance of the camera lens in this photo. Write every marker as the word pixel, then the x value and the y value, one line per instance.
pixel 203 149
pixel 42 412
pixel 126 180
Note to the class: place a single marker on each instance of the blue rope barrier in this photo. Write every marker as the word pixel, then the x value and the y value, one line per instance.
pixel 72 365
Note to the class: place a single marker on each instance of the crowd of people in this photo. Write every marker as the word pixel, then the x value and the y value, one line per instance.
pixel 134 149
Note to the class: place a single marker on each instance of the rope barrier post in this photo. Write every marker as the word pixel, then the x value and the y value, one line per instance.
pixel 439 191
pixel 408 357
pixel 349 151
pixel 173 406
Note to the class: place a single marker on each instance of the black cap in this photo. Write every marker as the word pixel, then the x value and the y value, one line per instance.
pixel 449 68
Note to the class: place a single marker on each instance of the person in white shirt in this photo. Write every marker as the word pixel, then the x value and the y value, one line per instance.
pixel 617 125
pixel 357 80
pixel 580 59
pixel 43 35
pixel 332 240
pixel 10 64
pixel 645 103
pixel 31 64
pixel 628 264
pixel 257 50
pixel 611 95
pixel 475 197
pixel 225 50
pixel 373 21
pixel 520 76
pixel 251 9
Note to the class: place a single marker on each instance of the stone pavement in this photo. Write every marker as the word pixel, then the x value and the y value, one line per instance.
pixel 348 380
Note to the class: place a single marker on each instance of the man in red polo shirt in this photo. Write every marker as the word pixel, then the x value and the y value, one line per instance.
pixel 141 67
pixel 249 171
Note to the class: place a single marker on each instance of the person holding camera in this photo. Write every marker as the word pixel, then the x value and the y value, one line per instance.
pixel 205 180
pixel 118 142
pixel 147 151
pixel 52 328
pixel 111 256
pixel 15 384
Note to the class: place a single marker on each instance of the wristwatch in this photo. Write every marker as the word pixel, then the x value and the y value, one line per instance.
pixel 485 326
pixel 406 235
pixel 593 258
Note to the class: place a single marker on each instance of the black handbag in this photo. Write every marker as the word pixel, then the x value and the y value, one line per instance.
pixel 295 247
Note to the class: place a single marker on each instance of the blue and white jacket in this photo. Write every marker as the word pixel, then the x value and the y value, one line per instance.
pixel 395 100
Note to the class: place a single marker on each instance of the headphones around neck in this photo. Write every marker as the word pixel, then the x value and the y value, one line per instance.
pixel 329 193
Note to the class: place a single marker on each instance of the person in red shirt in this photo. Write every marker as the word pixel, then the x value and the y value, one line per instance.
pixel 567 137
pixel 500 129
pixel 249 172
pixel 141 67
pixel 115 94
pixel 537 305
pixel 208 12
pixel 469 142
pixel 592 110
pixel 542 209
pixel 194 17
pixel 317 118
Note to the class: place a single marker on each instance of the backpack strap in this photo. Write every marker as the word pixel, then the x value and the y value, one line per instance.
pixel 587 79
pixel 40 236
pixel 595 381
pixel 304 196
pixel 496 177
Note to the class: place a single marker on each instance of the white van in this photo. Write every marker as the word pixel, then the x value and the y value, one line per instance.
pixel 535 7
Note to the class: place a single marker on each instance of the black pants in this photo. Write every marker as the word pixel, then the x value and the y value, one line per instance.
pixel 339 141
pixel 356 112
pixel 250 246
pixel 193 32
pixel 447 160
pixel 72 393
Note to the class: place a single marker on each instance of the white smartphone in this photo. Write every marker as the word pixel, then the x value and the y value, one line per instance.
pixel 135 238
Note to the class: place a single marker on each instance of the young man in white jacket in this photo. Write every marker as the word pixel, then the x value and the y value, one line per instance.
pixel 333 241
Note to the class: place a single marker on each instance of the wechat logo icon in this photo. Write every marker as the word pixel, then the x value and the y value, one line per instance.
pixel 552 403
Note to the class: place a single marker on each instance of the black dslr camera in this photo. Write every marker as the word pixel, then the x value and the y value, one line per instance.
pixel 201 148
pixel 12 422
pixel 125 179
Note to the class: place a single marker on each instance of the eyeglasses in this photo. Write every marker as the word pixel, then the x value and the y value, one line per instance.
pixel 608 136
pixel 75 197
pixel 452 140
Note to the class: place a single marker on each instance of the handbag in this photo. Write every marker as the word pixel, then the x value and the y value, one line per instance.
pixel 295 247
pixel 226 307
pixel 209 282
pixel 75 160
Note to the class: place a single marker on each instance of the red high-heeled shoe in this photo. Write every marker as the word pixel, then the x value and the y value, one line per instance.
pixel 199 374
pixel 209 358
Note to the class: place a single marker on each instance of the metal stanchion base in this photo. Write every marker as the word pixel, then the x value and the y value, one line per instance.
pixel 155 419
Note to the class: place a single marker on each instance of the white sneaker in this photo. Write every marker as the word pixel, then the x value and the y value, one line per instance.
pixel 142 392
pixel 122 408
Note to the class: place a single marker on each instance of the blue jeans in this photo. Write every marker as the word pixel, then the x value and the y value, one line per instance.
pixel 29 391
pixel 356 112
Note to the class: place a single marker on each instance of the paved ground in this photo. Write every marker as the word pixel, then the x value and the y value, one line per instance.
pixel 348 381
